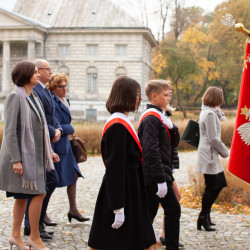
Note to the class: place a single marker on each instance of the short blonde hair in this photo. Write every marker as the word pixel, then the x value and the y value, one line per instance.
pixel 156 86
pixel 56 79
pixel 213 97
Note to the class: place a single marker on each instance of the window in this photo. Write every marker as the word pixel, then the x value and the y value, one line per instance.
pixel 63 50
pixel 92 50
pixel 91 82
pixel 121 71
pixel 121 50
pixel 18 50
pixel 91 114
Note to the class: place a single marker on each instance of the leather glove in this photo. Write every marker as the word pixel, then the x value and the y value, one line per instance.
pixel 162 189
pixel 119 220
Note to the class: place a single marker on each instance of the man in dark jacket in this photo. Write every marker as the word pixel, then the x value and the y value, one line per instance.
pixel 158 137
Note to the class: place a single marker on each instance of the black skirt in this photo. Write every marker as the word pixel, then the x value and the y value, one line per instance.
pixel 215 181
pixel 19 195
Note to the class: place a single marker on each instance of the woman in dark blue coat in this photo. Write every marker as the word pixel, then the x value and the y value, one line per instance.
pixel 67 169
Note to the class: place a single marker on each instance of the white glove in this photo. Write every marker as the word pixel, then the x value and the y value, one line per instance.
pixel 119 220
pixel 162 189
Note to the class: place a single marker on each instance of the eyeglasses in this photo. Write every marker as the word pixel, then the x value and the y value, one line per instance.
pixel 49 69
pixel 62 86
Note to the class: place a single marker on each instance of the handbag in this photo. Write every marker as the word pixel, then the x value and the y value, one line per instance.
pixel 191 133
pixel 78 148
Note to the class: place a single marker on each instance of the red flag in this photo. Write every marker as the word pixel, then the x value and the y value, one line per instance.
pixel 239 161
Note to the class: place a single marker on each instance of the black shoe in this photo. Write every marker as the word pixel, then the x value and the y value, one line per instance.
pixel 50 224
pixel 43 233
pixel 203 221
pixel 81 219
pixel 41 230
pixel 163 242
pixel 26 230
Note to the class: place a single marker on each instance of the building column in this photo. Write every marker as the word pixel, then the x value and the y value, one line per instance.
pixel 31 50
pixel 6 80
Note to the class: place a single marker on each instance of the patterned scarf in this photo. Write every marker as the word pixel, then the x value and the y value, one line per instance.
pixel 217 111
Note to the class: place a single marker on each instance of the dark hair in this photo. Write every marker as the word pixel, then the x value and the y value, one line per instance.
pixel 122 97
pixel 213 97
pixel 22 73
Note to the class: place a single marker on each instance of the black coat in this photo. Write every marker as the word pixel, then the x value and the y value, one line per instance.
pixel 122 186
pixel 158 149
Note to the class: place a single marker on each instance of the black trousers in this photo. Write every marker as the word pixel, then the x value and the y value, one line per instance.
pixel 172 211
pixel 214 184
pixel 51 184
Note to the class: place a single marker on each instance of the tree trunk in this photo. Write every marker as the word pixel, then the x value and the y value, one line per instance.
pixel 179 100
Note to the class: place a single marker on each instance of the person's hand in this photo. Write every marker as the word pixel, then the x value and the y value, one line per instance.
pixel 57 135
pixel 162 189
pixel 55 157
pixel 119 220
pixel 18 168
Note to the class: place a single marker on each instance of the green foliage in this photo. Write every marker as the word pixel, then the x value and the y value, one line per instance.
pixel 200 52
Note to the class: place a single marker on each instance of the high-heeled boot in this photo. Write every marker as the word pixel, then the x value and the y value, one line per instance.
pixel 203 221
pixel 210 222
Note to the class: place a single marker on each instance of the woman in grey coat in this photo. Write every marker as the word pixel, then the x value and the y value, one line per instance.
pixel 25 153
pixel 210 147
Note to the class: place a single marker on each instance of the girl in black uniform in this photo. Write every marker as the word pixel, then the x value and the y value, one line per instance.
pixel 121 219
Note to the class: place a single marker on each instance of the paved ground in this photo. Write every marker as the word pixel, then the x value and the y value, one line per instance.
pixel 232 230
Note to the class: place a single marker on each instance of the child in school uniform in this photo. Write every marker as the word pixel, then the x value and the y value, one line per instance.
pixel 121 221
pixel 158 137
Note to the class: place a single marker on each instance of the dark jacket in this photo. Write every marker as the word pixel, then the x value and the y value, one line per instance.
pixel 67 167
pixel 49 109
pixel 157 148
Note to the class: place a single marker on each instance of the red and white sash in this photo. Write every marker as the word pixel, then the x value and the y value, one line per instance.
pixel 159 115
pixel 122 119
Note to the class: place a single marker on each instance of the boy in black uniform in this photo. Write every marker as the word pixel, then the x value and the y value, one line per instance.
pixel 158 136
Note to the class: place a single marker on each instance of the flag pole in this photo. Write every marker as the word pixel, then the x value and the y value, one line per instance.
pixel 240 28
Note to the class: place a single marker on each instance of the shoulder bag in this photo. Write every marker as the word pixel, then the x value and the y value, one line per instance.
pixel 191 134
pixel 78 148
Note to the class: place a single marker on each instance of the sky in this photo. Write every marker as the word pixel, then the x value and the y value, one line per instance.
pixel 136 9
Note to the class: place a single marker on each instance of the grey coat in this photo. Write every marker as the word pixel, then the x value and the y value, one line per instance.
pixel 210 145
pixel 10 149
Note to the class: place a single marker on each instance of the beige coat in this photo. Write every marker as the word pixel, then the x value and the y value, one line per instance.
pixel 210 145
pixel 10 149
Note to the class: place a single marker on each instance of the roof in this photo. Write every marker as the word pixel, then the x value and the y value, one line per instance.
pixel 24 18
pixel 78 13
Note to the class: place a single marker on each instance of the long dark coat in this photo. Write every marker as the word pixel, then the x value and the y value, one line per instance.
pixel 122 186
pixel 67 167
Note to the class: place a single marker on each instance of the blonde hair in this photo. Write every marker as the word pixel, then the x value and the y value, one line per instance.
pixel 156 86
pixel 213 97
pixel 56 79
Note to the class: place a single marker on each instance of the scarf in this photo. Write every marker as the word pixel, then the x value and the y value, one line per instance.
pixel 164 118
pixel 65 102
pixel 28 143
pixel 217 111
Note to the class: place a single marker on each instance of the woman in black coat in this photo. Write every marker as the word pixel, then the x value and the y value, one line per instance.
pixel 121 219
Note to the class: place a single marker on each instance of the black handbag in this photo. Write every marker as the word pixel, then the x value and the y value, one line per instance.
pixel 191 134
pixel 78 148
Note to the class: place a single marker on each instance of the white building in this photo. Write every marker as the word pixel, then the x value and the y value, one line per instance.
pixel 93 41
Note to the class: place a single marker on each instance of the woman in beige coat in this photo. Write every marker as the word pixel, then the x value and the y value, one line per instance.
pixel 210 147
pixel 25 153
